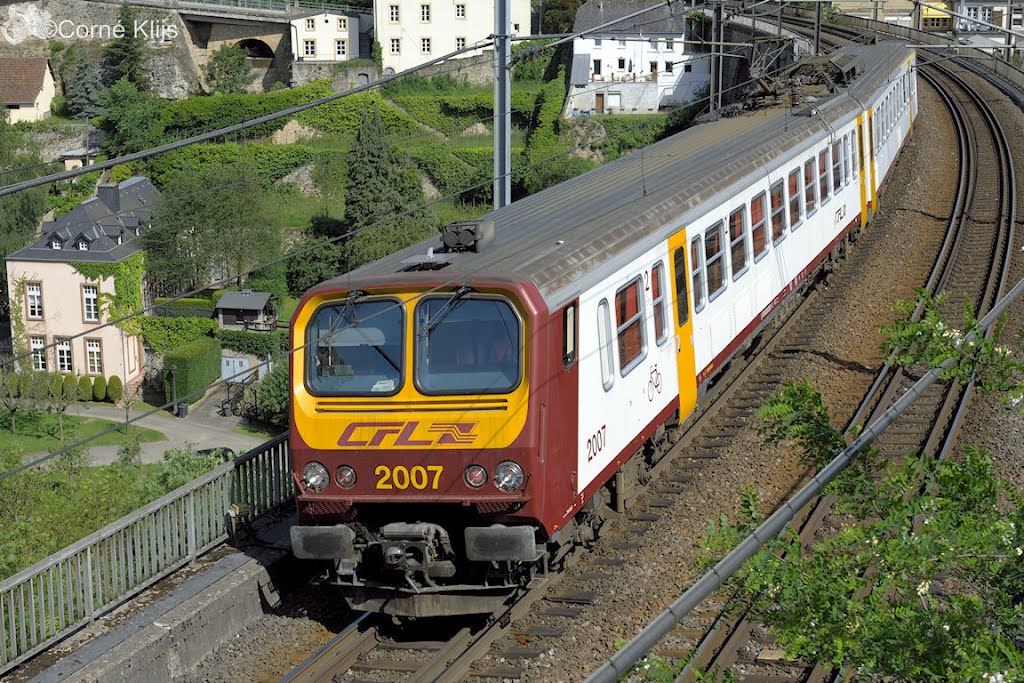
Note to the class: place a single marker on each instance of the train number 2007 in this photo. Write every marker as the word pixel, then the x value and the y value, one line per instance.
pixel 401 477
pixel 597 442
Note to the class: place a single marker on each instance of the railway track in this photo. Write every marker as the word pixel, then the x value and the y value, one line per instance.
pixel 972 266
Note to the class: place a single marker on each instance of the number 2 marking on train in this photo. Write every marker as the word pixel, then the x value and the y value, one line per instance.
pixel 596 442
pixel 401 477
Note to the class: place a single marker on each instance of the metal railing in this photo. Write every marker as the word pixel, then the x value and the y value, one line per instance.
pixel 68 590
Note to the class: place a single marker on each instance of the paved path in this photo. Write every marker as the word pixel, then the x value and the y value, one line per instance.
pixel 204 431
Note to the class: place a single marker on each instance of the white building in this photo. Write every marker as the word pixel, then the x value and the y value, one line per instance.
pixel 1003 13
pixel 637 66
pixel 325 37
pixel 411 32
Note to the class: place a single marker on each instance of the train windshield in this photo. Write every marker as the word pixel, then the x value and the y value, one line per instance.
pixel 355 348
pixel 467 346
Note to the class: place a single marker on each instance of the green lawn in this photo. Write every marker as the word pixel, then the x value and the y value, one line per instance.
pixel 40 433
pixel 259 429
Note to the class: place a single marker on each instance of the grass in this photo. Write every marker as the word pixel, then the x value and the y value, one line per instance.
pixel 259 429
pixel 41 433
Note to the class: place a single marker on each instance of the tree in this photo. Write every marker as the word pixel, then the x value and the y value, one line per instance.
pixel 922 587
pixel 124 57
pixel 10 395
pixel 207 220
pixel 325 260
pixel 84 91
pixel 60 396
pixel 383 198
pixel 132 120
pixel 273 394
pixel 20 212
pixel 270 279
pixel 228 70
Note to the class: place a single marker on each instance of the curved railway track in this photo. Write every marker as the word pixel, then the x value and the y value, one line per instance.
pixel 978 239
pixel 972 266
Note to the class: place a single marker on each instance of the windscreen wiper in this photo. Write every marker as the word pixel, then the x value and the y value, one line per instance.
pixel 348 312
pixel 448 307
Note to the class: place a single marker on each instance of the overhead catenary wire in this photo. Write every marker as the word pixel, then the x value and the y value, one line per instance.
pixel 226 280
pixel 439 287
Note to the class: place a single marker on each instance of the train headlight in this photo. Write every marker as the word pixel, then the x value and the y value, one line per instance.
pixel 345 476
pixel 476 476
pixel 508 476
pixel 315 475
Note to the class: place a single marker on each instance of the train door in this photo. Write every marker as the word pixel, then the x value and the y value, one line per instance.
pixel 862 175
pixel 871 162
pixel 685 364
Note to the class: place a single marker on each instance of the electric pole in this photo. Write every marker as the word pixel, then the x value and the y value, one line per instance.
pixel 502 103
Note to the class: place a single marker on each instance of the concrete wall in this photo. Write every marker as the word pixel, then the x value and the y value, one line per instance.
pixel 63 316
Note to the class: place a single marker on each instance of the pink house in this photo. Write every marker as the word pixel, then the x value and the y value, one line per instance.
pixel 63 311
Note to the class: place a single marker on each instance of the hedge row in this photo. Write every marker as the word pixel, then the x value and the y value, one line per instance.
pixel 269 161
pixel 453 113
pixel 450 173
pixel 259 344
pixel 183 308
pixel 190 369
pixel 165 334
pixel 344 116
pixel 44 385
pixel 193 115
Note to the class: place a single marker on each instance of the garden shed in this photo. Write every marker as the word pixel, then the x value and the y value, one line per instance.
pixel 246 310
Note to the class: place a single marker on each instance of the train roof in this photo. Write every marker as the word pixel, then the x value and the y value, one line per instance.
pixel 569 237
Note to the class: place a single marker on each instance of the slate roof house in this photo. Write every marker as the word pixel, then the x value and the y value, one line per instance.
pixel 26 88
pixel 247 310
pixel 60 303
pixel 634 66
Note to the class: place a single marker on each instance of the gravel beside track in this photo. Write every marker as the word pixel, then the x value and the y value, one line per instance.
pixel 990 423
pixel 889 261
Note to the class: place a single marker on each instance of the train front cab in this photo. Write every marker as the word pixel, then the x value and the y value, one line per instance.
pixel 413 444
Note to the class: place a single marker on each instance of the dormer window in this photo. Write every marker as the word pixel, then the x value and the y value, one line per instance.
pixel 83 245
pixel 55 243
pixel 120 238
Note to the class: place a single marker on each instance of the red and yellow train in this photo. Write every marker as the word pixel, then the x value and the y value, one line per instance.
pixel 458 409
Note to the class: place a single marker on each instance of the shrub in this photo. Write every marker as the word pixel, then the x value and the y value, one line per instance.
pixel 260 344
pixel 68 381
pixel 115 389
pixel 99 388
pixel 190 369
pixel 164 334
pixel 84 387
pixel 183 308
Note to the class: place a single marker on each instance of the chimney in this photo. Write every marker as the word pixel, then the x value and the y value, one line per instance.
pixel 111 196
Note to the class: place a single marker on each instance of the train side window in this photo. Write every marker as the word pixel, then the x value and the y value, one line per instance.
pixel 697 264
pixel 738 242
pixel 660 303
pixel 758 227
pixel 604 338
pixel 714 260
pixel 794 198
pixel 682 301
pixel 810 192
pixel 569 335
pixel 778 212
pixel 629 321
pixel 823 175
pixel 846 160
pixel 855 148
pixel 837 166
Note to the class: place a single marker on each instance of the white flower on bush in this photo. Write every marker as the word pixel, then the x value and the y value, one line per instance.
pixel 922 588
